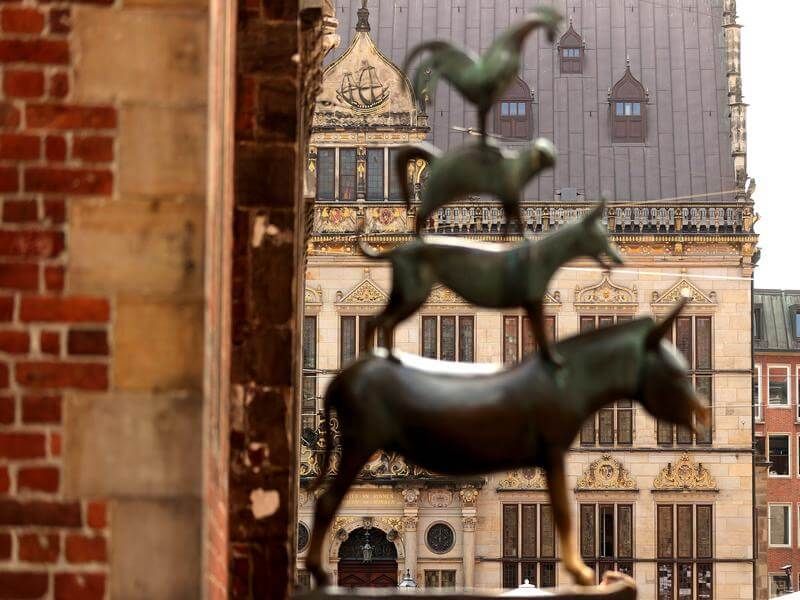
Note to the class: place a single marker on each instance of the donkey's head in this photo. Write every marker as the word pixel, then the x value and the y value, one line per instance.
pixel 665 389
pixel 593 238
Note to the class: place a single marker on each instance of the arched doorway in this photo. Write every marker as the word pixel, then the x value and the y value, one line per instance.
pixel 367 558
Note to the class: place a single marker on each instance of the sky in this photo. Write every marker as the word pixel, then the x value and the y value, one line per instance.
pixel 771 87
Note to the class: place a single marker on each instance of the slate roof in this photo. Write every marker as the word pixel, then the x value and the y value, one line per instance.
pixel 677 50
pixel 776 320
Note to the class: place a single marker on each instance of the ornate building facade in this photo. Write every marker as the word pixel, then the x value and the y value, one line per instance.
pixel 644 104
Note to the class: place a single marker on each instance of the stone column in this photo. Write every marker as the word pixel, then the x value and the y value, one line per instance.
pixel 410 520
pixel 469 496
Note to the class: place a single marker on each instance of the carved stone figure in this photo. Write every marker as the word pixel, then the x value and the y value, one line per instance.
pixel 489 276
pixel 466 419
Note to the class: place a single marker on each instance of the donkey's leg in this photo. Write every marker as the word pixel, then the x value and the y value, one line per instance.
pixel 352 460
pixel 536 314
pixel 410 289
pixel 557 487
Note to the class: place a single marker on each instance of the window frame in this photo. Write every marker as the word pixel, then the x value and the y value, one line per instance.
pixel 518 92
pixel 439 572
pixel 551 326
pixel 796 388
pixel 772 576
pixel 519 560
pixel 787 369
pixel 788 437
pixel 358 348
pixel 305 378
pixel 615 561
pixel 438 316
pixel 673 561
pixel 383 193
pixel 334 152
pixel 794 322
pixel 758 321
pixel 788 506
pixel 758 401
pixel 340 176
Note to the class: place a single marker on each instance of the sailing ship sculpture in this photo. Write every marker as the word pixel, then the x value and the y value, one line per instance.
pixel 367 94
pixel 463 419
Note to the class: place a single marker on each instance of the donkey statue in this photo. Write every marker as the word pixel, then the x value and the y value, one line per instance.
pixel 492 276
pixel 456 421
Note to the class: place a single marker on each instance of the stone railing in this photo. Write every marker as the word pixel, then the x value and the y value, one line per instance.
pixel 488 218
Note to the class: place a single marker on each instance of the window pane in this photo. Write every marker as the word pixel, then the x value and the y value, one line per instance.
pixel 757 322
pixel 778 386
pixel 779 454
pixel 703 387
pixel 512 109
pixel 606 531
pixel 587 431
pixel 664 432
pixel 528 574
pixel 395 177
pixel 547 535
pixel 466 339
pixel 448 578
pixel 510 575
pixel 606 321
pixel 778 525
pixel 703 338
pixel 757 395
pixel 548 578
pixel 510 339
pixel 620 109
pixel 684 581
pixel 685 531
pixel 567 52
pixel 528 530
pixel 510 520
pixel 666 584
pixel 504 109
pixel 326 174
pixel 625 530
pixel 347 174
pixel 309 342
pixel 628 109
pixel 683 337
pixel 624 422
pixel 704 581
pixel 606 426
pixel 447 336
pixel 705 529
pixel 587 324
pixel 587 530
pixel 637 109
pixel 374 173
pixel 431 579
pixel 521 109
pixel 347 343
pixel 363 342
pixel 429 337
pixel 664 530
pixel 797 324
pixel 683 435
pixel 528 341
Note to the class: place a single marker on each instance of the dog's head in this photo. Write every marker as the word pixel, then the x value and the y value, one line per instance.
pixel 594 240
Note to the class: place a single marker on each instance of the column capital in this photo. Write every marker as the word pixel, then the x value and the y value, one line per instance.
pixel 468 523
pixel 469 495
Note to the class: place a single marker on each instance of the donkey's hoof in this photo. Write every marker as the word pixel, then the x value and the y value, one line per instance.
pixel 583 575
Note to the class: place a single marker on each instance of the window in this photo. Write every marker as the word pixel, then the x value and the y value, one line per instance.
pixel 352 328
pixel 518 340
pixel 692 336
pixel 529 545
pixel 395 177
pixel 375 158
pixel 778 386
pixel 570 53
pixel 611 425
pixel 757 322
pixel 440 578
pixel 778 584
pixel 796 323
pixel 449 338
pixel 684 534
pixel 606 537
pixel 347 174
pixel 326 174
pixel 757 414
pixel 513 117
pixel 628 102
pixel 590 323
pixel 778 455
pixel 780 525
pixel 308 406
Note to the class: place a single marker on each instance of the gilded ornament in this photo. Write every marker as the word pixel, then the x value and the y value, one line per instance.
pixel 469 523
pixel 468 495
pixel 440 498
pixel 684 288
pixel 523 480
pixel 685 475
pixel 606 473
pixel 606 293
pixel 410 496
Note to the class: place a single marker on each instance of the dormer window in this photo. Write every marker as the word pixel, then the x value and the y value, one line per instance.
pixel 795 321
pixel 513 117
pixel 628 100
pixel 570 51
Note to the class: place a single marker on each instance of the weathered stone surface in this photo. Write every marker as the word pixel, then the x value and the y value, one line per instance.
pixel 158 345
pixel 132 445
pixel 160 543
pixel 162 150
pixel 141 55
pixel 148 247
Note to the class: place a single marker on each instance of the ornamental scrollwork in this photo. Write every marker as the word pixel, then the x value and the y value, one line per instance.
pixel 683 288
pixel 606 293
pixel 606 473
pixel 469 495
pixel 685 475
pixel 523 480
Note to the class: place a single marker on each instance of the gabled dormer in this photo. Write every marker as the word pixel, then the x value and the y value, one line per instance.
pixel 628 103
pixel 571 47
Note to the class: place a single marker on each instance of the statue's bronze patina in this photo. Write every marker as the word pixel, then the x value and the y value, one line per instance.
pixel 472 170
pixel 489 275
pixel 455 420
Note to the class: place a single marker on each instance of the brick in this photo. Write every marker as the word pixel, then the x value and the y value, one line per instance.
pixel 68 181
pixel 15 342
pixel 85 548
pixel 39 548
pixel 19 147
pixel 5 480
pixel 5 546
pixel 87 342
pixel 40 51
pixel 20 211
pixel 23 84
pixel 70 309
pixel 6 308
pixel 38 479
pixel 55 148
pixel 22 20
pixel 19 276
pixel 9 115
pixel 50 342
pixel 97 515
pixel 50 374
pixel 17 445
pixel 41 409
pixel 59 85
pixel 95 148
pixel 55 443
pixel 60 21
pixel 23 584
pixel 4 375
pixel 39 513
pixel 7 410
pixel 80 586
pixel 65 116
pixel 9 179
pixel 31 244
pixel 54 278
pixel 55 209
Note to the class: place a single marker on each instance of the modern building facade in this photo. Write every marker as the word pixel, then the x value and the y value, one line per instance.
pixel 643 101
pixel 776 347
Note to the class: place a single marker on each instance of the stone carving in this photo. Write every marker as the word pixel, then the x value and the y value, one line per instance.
pixel 312 297
pixel 388 465
pixel 335 219
pixel 440 498
pixel 410 496
pixel 607 294
pixel 366 292
pixel 606 473
pixel 442 295
pixel 523 479
pixel 362 91
pixel 468 495
pixel 468 523
pixel 386 219
pixel 683 288
pixel 409 523
pixel 685 475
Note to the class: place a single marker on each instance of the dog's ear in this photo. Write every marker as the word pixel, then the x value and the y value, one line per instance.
pixel 596 213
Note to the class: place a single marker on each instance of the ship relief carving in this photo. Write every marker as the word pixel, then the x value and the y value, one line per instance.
pixel 363 91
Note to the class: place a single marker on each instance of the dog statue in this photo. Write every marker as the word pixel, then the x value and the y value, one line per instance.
pixel 455 422
pixel 488 275
pixel 475 169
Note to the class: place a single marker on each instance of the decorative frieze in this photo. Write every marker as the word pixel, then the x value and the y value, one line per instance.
pixel 685 475
pixel 606 473
pixel 523 480
pixel 605 295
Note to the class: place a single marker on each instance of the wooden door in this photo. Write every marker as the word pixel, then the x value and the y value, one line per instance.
pixel 378 573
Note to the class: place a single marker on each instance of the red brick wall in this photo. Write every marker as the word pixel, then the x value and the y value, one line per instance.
pixel 51 149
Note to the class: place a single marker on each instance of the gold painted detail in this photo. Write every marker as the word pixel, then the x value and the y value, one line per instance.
pixel 684 475
pixel 523 479
pixel 606 293
pixel 443 295
pixel 335 219
pixel 366 292
pixel 606 473
pixel 313 297
pixel 387 219
pixel 684 288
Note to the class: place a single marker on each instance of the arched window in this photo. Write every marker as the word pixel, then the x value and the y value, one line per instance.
pixel 570 51
pixel 512 114
pixel 628 100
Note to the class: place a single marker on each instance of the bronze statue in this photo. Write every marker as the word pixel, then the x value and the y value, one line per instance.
pixel 458 419
pixel 481 80
pixel 475 169
pixel 491 276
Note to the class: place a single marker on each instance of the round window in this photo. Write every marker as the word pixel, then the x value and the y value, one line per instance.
pixel 440 537
pixel 302 536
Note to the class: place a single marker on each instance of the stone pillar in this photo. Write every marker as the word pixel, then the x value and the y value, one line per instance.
pixel 410 520
pixel 469 496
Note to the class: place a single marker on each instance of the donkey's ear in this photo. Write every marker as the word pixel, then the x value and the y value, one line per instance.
pixel 661 328
pixel 596 213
